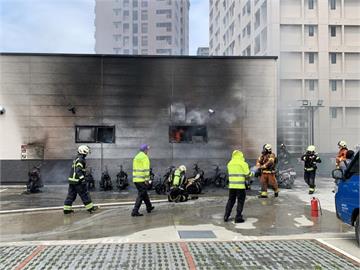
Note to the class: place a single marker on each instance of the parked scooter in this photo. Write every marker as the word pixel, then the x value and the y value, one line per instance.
pixel 219 179
pixel 89 179
pixel 163 185
pixel 122 179
pixel 34 181
pixel 194 185
pixel 105 182
pixel 150 184
pixel 286 178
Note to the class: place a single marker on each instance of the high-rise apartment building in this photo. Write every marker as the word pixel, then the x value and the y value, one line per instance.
pixel 318 44
pixel 203 51
pixel 155 27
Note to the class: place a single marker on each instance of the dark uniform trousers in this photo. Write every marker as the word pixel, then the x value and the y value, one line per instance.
pixel 75 189
pixel 309 177
pixel 240 195
pixel 142 196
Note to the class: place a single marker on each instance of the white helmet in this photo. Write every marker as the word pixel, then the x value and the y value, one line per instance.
pixel 311 148
pixel 267 147
pixel 83 149
pixel 342 144
pixel 182 168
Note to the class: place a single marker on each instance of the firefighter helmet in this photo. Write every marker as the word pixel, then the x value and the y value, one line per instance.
pixel 311 148
pixel 267 147
pixel 83 150
pixel 342 144
pixel 182 168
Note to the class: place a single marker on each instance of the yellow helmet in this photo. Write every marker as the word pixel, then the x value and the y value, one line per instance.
pixel 182 168
pixel 311 148
pixel 342 144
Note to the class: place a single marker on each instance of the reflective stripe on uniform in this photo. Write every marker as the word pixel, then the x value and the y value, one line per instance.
pixel 239 174
pixel 89 205
pixel 146 170
pixel 67 207
pixel 263 193
pixel 309 169
pixel 236 182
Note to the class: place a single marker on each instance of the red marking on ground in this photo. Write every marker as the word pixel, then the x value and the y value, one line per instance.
pixel 188 256
pixel 30 257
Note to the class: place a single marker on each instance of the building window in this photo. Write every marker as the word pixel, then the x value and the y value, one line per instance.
pixel 117 24
pixel 126 41
pixel 168 39
pixel 135 15
pixel 144 40
pixel 311 58
pixel 144 51
pixel 135 41
pixel 135 3
pixel 188 134
pixel 126 51
pixel 135 51
pixel 248 29
pixel 117 37
pixel 333 85
pixel 167 25
pixel 311 30
pixel 95 134
pixel 144 15
pixel 126 27
pixel 166 12
pixel 333 31
pixel 135 28
pixel 144 4
pixel 126 3
pixel 333 58
pixel 248 7
pixel 144 28
pixel 333 4
pixel 311 4
pixel 333 112
pixel 311 85
pixel 126 14
pixel 163 51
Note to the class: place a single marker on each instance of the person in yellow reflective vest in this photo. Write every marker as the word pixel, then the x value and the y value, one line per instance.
pixel 141 178
pixel 77 184
pixel 177 192
pixel 238 171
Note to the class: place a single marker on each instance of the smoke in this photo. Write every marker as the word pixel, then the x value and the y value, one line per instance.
pixel 197 117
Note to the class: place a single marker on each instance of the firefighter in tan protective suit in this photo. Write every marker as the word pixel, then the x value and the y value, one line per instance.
pixel 266 163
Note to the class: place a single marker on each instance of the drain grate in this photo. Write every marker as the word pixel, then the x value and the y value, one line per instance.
pixel 196 234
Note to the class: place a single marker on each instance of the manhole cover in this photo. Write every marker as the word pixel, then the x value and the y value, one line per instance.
pixel 196 234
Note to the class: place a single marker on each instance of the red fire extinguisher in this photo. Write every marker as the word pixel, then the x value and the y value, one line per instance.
pixel 315 207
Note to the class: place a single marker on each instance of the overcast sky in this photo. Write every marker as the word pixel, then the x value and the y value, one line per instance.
pixel 67 26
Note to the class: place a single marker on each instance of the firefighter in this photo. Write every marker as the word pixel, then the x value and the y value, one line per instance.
pixel 77 183
pixel 284 157
pixel 342 153
pixel 238 171
pixel 310 159
pixel 177 192
pixel 266 163
pixel 141 179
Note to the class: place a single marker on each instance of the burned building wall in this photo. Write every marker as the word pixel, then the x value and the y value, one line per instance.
pixel 46 96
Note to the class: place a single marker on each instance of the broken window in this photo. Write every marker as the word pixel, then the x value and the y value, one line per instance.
pixel 95 134
pixel 187 134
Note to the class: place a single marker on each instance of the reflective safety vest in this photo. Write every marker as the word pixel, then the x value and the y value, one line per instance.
pixel 141 168
pixel 238 170
pixel 177 178
pixel 77 173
